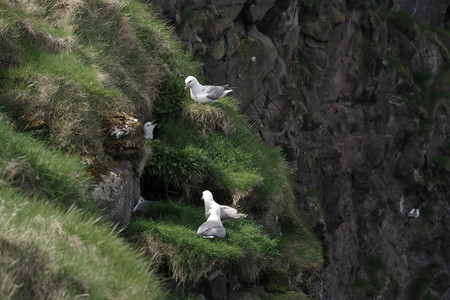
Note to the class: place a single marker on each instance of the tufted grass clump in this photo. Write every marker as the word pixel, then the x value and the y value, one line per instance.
pixel 168 234
pixel 207 118
pixel 300 248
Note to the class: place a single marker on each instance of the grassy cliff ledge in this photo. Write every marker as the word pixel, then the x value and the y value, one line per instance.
pixel 65 66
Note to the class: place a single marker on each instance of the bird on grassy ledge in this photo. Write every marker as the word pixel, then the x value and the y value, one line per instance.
pixel 227 213
pixel 142 205
pixel 205 93
pixel 213 226
pixel 148 129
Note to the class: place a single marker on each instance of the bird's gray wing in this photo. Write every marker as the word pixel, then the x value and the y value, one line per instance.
pixel 213 92
pixel 226 210
pixel 210 228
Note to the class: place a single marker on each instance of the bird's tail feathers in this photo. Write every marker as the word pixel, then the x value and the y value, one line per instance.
pixel 239 215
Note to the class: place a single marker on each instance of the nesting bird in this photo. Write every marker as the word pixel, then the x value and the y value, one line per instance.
pixel 142 205
pixel 148 129
pixel 227 213
pixel 205 93
pixel 213 226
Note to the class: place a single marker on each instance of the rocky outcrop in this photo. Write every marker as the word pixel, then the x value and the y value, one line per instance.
pixel 356 94
pixel 118 192
pixel 118 188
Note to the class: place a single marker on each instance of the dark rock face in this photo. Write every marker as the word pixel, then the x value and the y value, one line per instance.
pixel 118 192
pixel 356 94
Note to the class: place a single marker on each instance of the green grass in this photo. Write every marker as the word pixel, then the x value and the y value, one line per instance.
pixel 52 244
pixel 300 248
pixel 168 234
pixel 49 253
pixel 228 152
pixel 116 56
pixel 213 146
pixel 28 164
pixel 68 65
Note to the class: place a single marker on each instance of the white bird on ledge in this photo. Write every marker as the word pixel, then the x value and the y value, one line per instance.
pixel 205 93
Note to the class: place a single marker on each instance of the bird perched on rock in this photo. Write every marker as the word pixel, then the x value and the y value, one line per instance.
pixel 213 226
pixel 414 213
pixel 148 129
pixel 205 93
pixel 227 213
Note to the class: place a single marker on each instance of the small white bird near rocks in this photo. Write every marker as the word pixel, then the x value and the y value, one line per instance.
pixel 142 205
pixel 205 93
pixel 213 226
pixel 414 213
pixel 227 213
pixel 148 129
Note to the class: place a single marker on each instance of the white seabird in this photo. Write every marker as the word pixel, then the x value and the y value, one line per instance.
pixel 142 205
pixel 148 129
pixel 213 226
pixel 227 213
pixel 205 93
pixel 414 213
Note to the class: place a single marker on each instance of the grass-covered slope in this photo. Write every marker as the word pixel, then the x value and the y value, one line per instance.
pixel 52 245
pixel 69 63
pixel 64 67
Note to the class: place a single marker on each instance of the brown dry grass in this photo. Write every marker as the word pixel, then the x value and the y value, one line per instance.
pixel 46 41
pixel 207 118
pixel 19 173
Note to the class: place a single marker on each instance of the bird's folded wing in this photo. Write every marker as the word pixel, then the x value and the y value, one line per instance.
pixel 228 210
pixel 211 228
pixel 213 92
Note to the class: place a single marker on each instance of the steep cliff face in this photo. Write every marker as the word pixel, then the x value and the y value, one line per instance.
pixel 357 95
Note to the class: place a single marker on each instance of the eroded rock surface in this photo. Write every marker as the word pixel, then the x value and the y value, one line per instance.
pixel 118 192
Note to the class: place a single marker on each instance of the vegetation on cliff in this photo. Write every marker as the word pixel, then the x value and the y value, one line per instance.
pixel 52 243
pixel 64 66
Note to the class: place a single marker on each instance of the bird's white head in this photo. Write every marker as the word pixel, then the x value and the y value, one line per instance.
pixel 148 129
pixel 190 81
pixel 214 210
pixel 207 196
